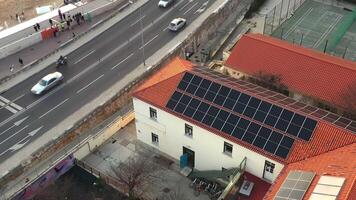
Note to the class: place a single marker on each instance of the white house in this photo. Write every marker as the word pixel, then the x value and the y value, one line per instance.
pixel 217 121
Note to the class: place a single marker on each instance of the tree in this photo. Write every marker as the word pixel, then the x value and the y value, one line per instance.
pixel 270 81
pixel 135 174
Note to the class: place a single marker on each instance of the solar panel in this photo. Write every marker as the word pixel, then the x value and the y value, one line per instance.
pixel 295 185
pixel 231 112
pixel 328 187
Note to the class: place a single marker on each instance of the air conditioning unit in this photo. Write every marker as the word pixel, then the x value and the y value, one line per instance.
pixel 246 188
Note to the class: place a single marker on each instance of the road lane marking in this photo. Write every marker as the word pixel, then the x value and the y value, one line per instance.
pixel 17 123
pixel 185 5
pixel 202 7
pixel 138 20
pixel 85 87
pixel 165 28
pixel 122 61
pixel 96 23
pixel 53 108
pixel 13 135
pixel 19 97
pixel 149 41
pixel 12 107
pixel 190 8
pixel 3 152
pixel 84 57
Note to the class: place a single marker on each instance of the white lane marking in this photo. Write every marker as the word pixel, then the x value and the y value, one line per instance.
pixel 149 41
pixel 96 23
pixel 84 57
pixel 9 108
pixel 3 153
pixel 9 103
pixel 202 7
pixel 190 8
pixel 19 97
pixel 21 143
pixel 13 135
pixel 17 123
pixel 138 20
pixel 165 28
pixel 53 108
pixel 122 61
pixel 185 5
pixel 85 87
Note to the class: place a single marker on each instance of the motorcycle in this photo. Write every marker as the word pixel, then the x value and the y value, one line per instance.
pixel 62 61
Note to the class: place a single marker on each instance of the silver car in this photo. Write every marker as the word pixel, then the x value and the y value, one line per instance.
pixel 165 3
pixel 176 24
pixel 47 83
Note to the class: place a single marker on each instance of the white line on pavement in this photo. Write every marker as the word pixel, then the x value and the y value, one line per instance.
pixel 149 41
pixel 19 97
pixel 17 123
pixel 85 87
pixel 165 28
pixel 54 108
pixel 3 152
pixel 14 105
pixel 122 61
pixel 138 20
pixel 13 135
pixel 9 108
pixel 84 57
pixel 185 5
pixel 96 23
pixel 190 8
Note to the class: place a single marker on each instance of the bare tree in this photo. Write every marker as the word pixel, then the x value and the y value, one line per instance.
pixel 270 81
pixel 135 174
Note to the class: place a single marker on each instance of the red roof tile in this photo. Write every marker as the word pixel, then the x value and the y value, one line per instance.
pixel 302 70
pixel 340 162
pixel 326 136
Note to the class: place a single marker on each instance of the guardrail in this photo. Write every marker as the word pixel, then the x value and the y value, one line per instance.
pixel 120 7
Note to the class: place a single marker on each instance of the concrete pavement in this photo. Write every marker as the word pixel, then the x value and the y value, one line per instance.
pixel 124 144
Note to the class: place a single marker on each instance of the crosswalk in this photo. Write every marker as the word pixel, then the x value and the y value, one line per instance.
pixel 10 106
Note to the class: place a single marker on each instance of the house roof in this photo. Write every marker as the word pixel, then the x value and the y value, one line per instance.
pixel 340 162
pixel 326 136
pixel 302 70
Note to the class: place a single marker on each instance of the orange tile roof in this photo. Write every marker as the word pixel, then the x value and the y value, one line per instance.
pixel 340 162
pixel 175 66
pixel 302 70
pixel 326 136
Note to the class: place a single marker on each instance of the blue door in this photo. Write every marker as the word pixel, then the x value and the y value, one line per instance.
pixel 183 160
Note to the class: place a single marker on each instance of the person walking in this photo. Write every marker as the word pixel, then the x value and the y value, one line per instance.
pixel 38 26
pixel 35 27
pixel 11 68
pixel 73 34
pixel 50 22
pixel 60 14
pixel 20 61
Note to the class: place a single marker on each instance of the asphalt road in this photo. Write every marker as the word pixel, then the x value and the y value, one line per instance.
pixel 92 69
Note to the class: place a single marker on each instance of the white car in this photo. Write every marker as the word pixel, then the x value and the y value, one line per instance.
pixel 165 3
pixel 176 24
pixel 47 83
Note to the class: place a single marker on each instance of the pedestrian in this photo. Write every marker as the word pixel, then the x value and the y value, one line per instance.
pixel 64 17
pixel 60 14
pixel 11 68
pixel 38 26
pixel 17 16
pixel 68 23
pixel 50 22
pixel 35 27
pixel 55 32
pixel 20 61
pixel 73 34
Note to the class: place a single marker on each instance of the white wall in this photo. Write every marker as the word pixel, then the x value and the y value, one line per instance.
pixel 208 147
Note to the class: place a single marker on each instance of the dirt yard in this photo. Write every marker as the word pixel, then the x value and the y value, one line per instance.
pixel 9 9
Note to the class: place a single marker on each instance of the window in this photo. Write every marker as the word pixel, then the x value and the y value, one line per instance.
pixel 154 138
pixel 269 167
pixel 227 148
pixel 188 130
pixel 153 113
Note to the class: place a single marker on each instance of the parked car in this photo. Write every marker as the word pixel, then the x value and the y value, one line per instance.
pixel 165 3
pixel 47 83
pixel 176 24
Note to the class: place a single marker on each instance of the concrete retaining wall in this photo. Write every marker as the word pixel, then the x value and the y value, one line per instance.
pixel 108 132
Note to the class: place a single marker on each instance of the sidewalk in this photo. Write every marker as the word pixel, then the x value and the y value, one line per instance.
pixel 41 49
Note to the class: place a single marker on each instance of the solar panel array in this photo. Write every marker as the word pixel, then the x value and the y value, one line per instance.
pixel 240 115
pixel 295 185
pixel 262 111
pixel 303 108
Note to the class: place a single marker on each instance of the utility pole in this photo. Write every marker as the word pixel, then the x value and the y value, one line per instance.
pixel 142 41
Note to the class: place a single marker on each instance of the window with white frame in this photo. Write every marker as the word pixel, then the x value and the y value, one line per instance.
pixel 153 113
pixel 154 138
pixel 227 148
pixel 188 130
